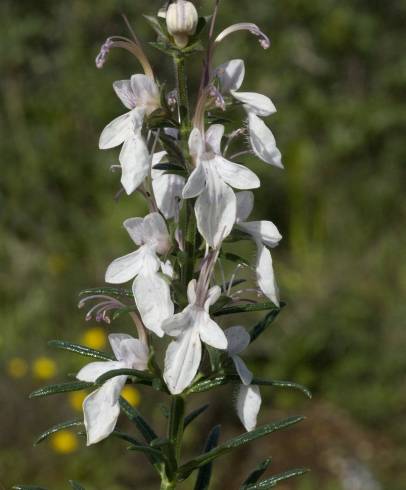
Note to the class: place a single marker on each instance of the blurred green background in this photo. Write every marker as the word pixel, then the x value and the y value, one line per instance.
pixel 336 71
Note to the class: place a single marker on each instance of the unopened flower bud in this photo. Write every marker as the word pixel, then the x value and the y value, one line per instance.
pixel 181 21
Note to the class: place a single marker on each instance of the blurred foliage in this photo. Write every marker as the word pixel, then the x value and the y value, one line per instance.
pixel 336 71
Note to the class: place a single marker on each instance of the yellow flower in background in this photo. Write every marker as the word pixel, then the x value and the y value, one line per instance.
pixel 132 395
pixel 64 442
pixel 76 399
pixel 44 368
pixel 17 367
pixel 95 338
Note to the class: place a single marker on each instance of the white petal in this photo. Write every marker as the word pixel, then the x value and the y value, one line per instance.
pixel 153 299
pixel 231 75
pixel 210 333
pixel 129 350
pixel 135 162
pixel 157 157
pixel 182 361
pixel 195 183
pixel 236 175
pixel 245 205
pixel 125 268
pixel 257 103
pixel 116 132
pixel 196 144
pixel 167 269
pixel 94 370
pixel 177 324
pixel 213 295
pixel 243 372
pixel 215 210
pixel 265 274
pixel 263 141
pixel 265 231
pixel 156 233
pixel 125 93
pixel 146 92
pixel 101 410
pixel 135 228
pixel 168 193
pixel 248 405
pixel 238 339
pixel 214 136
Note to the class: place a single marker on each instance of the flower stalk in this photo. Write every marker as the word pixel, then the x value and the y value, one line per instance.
pixel 172 283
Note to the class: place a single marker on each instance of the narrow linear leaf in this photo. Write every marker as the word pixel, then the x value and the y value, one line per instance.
pixel 283 384
pixel 204 474
pixel 60 388
pixel 134 415
pixel 210 383
pixel 81 350
pixel 260 328
pixel 186 469
pixel 273 481
pixel 255 475
pixel 108 290
pixel 140 375
pixel 125 437
pixel 75 485
pixel 147 450
pixel 247 308
pixel 193 415
pixel 57 428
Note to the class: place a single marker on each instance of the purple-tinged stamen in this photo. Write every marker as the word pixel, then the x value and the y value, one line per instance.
pixel 218 98
pixel 263 39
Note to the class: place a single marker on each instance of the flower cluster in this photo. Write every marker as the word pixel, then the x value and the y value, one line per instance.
pixel 206 181
pixel 199 198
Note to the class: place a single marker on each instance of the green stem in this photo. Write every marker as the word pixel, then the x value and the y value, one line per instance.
pixel 168 485
pixel 175 425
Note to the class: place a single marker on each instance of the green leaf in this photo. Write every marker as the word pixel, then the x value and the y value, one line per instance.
pixel 236 442
pixel 212 382
pixel 260 328
pixel 273 481
pixel 193 415
pixel 204 474
pixel 172 148
pixel 123 311
pixel 249 307
pixel 75 485
pixel 158 25
pixel 60 388
pixel 81 350
pixel 147 450
pixel 125 437
pixel 108 290
pixel 142 425
pixel 140 376
pixel 255 475
pixel 56 428
pixel 233 258
pixel 171 168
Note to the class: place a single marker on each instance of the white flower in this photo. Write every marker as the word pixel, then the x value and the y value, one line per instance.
pixel 101 408
pixel 211 181
pixel 191 327
pixel 231 75
pixel 141 96
pixel 151 291
pixel 265 234
pixel 167 188
pixel 249 396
